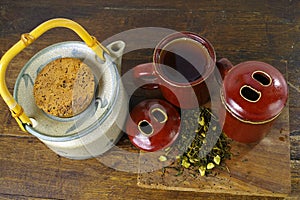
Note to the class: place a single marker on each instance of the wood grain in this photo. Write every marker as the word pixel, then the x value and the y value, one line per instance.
pixel 260 169
pixel 265 30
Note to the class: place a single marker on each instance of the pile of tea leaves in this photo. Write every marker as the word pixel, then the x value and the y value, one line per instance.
pixel 202 146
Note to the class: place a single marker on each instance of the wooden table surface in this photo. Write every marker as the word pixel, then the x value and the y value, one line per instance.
pixel 265 30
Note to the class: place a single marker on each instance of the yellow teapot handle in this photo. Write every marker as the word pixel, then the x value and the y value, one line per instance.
pixel 28 38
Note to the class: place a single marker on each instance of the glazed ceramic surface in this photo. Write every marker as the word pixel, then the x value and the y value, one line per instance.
pixel 185 95
pixel 95 130
pixel 153 125
pixel 253 95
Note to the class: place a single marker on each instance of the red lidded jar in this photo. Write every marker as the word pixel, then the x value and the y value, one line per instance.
pixel 253 96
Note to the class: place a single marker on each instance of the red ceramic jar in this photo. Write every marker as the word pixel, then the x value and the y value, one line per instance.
pixel 253 95
pixel 153 124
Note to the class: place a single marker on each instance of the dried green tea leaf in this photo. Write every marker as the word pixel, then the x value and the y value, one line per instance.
pixel 202 170
pixel 217 159
pixel 194 132
pixel 185 164
pixel 162 158
pixel 210 165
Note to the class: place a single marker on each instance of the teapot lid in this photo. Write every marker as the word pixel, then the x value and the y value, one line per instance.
pixel 254 91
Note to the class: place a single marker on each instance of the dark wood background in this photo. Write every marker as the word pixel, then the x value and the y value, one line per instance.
pixel 265 30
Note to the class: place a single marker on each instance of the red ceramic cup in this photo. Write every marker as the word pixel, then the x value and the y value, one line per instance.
pixel 253 95
pixel 182 64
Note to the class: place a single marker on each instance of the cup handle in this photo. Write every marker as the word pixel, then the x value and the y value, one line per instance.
pixel 224 66
pixel 145 75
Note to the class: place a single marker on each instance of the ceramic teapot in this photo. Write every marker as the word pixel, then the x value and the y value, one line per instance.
pixel 90 133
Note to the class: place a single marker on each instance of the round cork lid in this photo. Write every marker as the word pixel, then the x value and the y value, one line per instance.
pixel 64 87
pixel 91 102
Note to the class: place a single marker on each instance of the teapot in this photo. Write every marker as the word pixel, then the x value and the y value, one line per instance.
pixel 98 127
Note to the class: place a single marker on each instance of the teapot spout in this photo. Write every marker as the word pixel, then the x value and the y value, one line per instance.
pixel 116 50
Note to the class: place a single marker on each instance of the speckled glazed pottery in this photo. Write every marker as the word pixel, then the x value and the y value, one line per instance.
pixel 93 131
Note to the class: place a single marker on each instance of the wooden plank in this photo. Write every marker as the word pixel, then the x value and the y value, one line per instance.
pixel 262 169
pixel 29 170
pixel 295 174
pixel 244 30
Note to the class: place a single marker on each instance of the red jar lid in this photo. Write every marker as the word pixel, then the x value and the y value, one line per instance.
pixel 153 125
pixel 254 91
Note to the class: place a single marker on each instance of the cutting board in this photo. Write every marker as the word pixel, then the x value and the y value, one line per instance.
pixel 261 169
